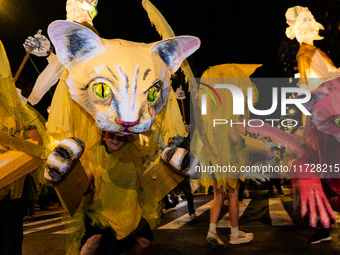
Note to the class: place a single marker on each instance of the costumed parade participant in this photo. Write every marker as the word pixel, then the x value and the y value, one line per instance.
pixel 315 67
pixel 102 240
pixel 223 146
pixel 81 11
pixel 22 134
pixel 316 171
pixel 278 152
pixel 123 88
pixel 321 132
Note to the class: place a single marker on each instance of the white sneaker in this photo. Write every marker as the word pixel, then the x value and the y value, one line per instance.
pixel 214 240
pixel 241 238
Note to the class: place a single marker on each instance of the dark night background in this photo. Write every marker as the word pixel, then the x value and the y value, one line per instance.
pixel 250 31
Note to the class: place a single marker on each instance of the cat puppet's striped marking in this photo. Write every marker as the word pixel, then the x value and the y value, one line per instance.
pixel 62 158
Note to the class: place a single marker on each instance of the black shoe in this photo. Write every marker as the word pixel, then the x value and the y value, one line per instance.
pixel 175 201
pixel 319 236
pixel 172 205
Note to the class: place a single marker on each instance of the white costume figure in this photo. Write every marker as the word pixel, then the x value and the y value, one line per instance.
pixel 315 67
pixel 79 11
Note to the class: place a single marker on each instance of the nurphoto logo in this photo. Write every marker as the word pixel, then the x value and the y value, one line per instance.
pixel 238 99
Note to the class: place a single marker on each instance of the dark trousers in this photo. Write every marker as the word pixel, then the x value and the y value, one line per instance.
pixel 277 183
pixel 184 187
pixel 11 226
pixel 109 244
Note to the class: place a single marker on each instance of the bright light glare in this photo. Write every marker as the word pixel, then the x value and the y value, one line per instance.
pixel 86 6
pixel 291 111
pixel 297 75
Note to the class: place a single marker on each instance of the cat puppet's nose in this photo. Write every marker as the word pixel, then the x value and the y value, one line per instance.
pixel 127 123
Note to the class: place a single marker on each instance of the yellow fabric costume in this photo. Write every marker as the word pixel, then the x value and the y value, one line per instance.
pixel 68 119
pixel 206 141
pixel 17 119
pixel 117 176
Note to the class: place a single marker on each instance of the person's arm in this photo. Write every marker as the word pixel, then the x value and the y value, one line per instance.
pixel 51 74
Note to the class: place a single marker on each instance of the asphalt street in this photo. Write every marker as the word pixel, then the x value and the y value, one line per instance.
pixel 277 230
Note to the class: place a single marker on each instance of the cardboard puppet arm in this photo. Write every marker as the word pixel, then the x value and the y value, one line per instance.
pixel 167 172
pixel 19 144
pixel 158 180
pixel 72 187
pixel 16 164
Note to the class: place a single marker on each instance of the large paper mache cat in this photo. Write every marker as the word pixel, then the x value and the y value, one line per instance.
pixel 123 85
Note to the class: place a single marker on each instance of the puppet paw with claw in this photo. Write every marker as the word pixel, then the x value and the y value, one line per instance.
pixel 62 158
pixel 314 204
pixel 41 45
pixel 183 161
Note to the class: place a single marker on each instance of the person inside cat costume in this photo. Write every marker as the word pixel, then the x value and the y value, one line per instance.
pixel 101 241
pixel 123 88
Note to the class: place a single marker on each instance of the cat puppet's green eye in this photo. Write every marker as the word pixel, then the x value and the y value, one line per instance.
pixel 153 94
pixel 337 122
pixel 101 90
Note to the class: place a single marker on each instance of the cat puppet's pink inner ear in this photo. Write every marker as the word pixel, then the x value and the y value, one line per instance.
pixel 72 41
pixel 175 50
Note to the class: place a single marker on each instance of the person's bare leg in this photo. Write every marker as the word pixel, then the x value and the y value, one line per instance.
pixel 143 246
pixel 216 204
pixel 237 236
pixel 233 205
pixel 92 245
pixel 215 209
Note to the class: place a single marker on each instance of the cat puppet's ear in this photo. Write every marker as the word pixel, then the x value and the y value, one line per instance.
pixel 315 97
pixel 174 50
pixel 73 41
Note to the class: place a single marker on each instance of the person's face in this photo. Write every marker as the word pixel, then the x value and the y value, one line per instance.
pixel 113 141
pixel 307 29
pixel 34 135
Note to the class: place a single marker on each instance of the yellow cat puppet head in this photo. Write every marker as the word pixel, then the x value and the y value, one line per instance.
pixel 123 85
